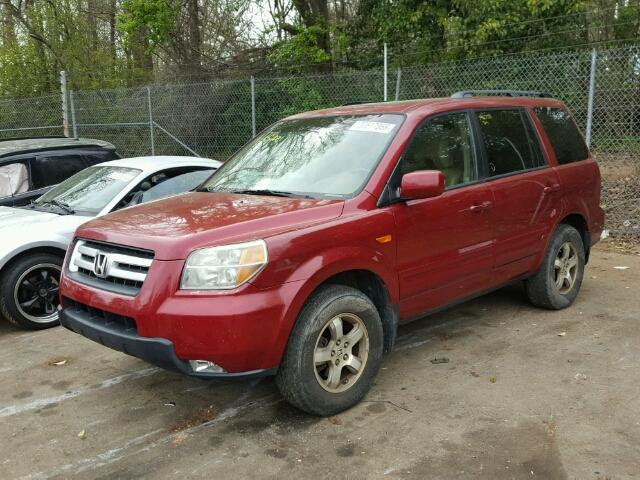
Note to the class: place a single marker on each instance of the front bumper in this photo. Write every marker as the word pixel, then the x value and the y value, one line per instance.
pixel 157 351
pixel 242 330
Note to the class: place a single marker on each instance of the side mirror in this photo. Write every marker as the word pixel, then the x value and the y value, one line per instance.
pixel 422 184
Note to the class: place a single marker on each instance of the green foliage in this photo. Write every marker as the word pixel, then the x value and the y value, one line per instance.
pixel 301 50
pixel 128 42
pixel 154 18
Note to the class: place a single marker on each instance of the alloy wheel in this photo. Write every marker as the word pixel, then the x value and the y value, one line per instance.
pixel 341 352
pixel 36 293
pixel 565 268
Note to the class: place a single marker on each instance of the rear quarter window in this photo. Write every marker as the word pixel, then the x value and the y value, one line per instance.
pixel 99 156
pixel 565 138
pixel 51 170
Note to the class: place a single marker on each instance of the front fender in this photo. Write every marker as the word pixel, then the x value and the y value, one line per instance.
pixel 319 269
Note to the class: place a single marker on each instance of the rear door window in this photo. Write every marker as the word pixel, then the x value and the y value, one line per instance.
pixel 509 142
pixel 50 170
pixel 565 138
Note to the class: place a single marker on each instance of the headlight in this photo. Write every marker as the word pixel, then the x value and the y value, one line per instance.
pixel 225 267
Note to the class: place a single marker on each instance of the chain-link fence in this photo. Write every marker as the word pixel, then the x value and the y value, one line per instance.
pixel 214 119
pixel 34 116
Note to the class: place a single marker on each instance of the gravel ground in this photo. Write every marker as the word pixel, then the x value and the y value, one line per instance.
pixel 527 393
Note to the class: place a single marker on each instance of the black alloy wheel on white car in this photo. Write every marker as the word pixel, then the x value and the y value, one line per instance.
pixel 29 291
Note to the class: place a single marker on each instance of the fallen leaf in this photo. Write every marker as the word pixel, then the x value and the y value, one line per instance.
pixel 493 379
pixel 334 421
pixel 57 362
pixel 562 334
pixel 82 434
pixel 621 267
pixel 581 376
pixel 170 404
pixel 179 439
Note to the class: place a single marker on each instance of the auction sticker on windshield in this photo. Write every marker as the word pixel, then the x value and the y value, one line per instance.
pixel 376 127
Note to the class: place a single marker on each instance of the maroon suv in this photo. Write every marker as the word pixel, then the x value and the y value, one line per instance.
pixel 300 256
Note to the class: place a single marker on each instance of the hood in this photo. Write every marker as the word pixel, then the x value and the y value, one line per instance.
pixel 20 226
pixel 175 226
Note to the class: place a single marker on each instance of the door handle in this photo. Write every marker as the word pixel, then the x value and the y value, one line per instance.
pixel 551 188
pixel 477 208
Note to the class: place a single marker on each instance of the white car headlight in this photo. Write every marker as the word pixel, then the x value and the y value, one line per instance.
pixel 224 267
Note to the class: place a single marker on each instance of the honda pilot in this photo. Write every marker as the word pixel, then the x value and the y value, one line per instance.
pixel 301 255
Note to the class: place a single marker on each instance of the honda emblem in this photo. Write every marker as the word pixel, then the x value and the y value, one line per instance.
pixel 101 265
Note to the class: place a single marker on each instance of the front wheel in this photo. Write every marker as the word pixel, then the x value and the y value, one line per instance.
pixel 557 283
pixel 29 291
pixel 334 352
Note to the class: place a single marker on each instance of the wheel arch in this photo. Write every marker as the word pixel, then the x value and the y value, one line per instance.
pixel 9 260
pixel 347 269
pixel 579 222
pixel 376 290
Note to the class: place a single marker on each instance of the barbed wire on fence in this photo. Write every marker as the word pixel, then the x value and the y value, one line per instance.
pixel 217 117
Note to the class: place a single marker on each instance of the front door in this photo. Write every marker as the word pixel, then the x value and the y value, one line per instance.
pixel 445 244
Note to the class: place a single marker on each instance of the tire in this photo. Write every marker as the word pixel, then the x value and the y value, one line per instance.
pixel 317 389
pixel 547 288
pixel 32 278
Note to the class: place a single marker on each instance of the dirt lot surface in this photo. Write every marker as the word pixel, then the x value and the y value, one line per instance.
pixel 527 393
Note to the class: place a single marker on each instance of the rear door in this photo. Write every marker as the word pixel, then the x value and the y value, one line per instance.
pixel 524 188
pixel 445 244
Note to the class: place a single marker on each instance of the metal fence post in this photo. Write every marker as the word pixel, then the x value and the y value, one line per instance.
pixel 151 133
pixel 253 107
pixel 63 92
pixel 592 92
pixel 398 75
pixel 73 114
pixel 385 71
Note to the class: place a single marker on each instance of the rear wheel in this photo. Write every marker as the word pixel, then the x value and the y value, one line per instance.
pixel 334 352
pixel 558 281
pixel 29 291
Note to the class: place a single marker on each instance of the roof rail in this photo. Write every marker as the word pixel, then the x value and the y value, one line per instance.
pixel 8 139
pixel 348 104
pixel 499 93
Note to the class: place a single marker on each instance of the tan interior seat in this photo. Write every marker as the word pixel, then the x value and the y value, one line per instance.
pixel 450 160
pixel 14 179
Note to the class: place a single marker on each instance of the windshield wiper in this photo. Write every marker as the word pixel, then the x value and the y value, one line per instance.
pixel 272 193
pixel 65 207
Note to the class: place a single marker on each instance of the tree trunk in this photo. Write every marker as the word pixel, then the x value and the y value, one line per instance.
pixel 140 53
pixel 92 21
pixel 315 13
pixel 195 39
pixel 8 26
pixel 112 34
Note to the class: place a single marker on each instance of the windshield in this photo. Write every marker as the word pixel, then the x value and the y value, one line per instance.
pixel 320 156
pixel 91 189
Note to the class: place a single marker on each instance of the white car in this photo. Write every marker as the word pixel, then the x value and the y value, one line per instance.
pixel 34 239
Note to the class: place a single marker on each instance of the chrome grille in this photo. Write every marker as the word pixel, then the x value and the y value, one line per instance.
pixel 110 267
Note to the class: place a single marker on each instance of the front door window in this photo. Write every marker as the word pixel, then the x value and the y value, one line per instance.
pixel 443 143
